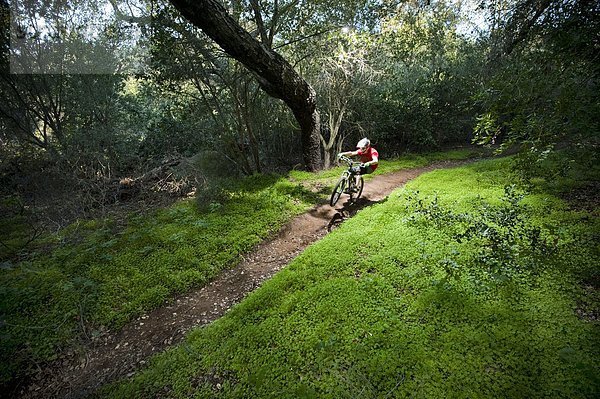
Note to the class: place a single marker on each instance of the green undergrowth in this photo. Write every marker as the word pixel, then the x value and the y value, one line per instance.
pixel 100 277
pixel 459 285
pixel 96 275
pixel 15 231
pixel 408 161
pixel 562 172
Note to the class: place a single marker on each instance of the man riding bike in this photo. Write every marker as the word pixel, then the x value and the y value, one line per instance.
pixel 368 156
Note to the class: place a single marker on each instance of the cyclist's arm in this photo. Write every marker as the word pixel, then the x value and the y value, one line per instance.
pixel 373 161
pixel 349 153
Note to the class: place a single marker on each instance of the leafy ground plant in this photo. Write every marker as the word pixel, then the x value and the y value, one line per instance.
pixel 509 245
pixel 95 275
pixel 370 312
pixel 100 277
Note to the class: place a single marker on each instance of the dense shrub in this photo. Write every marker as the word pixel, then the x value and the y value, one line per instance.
pixel 508 244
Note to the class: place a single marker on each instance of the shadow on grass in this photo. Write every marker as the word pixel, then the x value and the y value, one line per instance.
pixel 349 209
pixel 222 191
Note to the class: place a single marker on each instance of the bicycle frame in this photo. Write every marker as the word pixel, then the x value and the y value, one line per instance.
pixel 347 183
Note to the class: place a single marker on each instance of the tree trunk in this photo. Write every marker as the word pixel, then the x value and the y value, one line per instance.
pixel 274 74
pixel 326 159
pixel 335 123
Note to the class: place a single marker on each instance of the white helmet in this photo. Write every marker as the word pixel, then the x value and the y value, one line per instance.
pixel 363 143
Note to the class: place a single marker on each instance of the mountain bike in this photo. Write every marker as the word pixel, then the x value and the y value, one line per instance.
pixel 351 182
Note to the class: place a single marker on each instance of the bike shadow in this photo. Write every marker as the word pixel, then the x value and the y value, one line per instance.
pixel 349 209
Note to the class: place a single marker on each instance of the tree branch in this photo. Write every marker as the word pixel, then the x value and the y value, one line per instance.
pixel 275 74
pixel 259 23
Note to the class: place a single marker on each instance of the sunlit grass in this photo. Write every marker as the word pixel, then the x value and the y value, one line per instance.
pixel 371 311
pixel 408 161
pixel 99 275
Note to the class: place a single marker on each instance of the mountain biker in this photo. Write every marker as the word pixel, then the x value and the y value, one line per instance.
pixel 369 157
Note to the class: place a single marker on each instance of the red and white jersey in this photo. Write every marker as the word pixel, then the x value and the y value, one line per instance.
pixel 368 156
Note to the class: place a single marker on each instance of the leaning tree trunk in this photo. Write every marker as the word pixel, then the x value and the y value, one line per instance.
pixel 274 74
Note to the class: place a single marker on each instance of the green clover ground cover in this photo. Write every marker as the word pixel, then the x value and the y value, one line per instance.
pixel 99 276
pixel 407 299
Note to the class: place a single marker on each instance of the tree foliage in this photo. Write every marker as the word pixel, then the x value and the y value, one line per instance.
pixel 122 86
pixel 542 93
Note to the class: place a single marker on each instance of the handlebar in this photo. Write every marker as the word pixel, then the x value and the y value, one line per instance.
pixel 348 160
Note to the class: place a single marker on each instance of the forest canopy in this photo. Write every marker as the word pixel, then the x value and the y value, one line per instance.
pixel 99 93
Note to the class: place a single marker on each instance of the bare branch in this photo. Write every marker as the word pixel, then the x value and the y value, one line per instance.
pixel 259 23
pixel 131 18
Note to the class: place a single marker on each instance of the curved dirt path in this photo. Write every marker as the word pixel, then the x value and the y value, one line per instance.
pixel 113 356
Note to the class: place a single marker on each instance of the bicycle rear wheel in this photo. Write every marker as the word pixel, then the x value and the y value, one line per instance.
pixel 337 191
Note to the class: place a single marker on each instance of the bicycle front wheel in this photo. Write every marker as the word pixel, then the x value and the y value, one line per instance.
pixel 337 191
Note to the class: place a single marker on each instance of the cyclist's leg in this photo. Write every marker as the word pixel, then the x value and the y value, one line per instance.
pixel 356 178
pixel 354 171
pixel 365 170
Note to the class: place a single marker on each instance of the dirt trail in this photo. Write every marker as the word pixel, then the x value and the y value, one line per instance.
pixel 116 355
